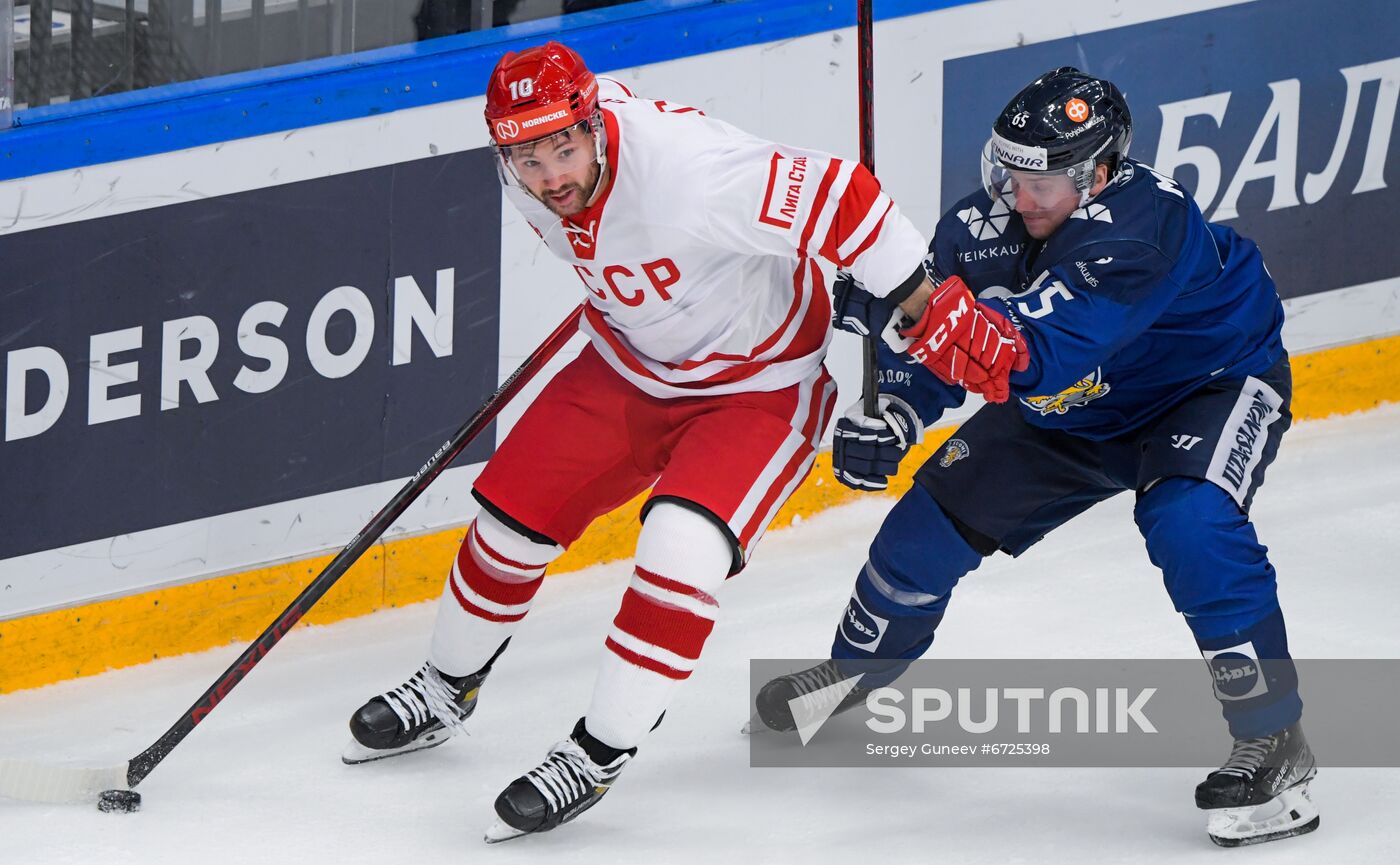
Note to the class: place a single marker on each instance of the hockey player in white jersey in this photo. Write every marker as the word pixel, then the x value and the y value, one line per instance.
pixel 709 320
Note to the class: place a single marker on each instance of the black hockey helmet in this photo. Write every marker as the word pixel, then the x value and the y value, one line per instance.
pixel 1064 122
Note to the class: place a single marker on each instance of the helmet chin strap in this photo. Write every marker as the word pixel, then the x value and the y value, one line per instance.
pixel 600 151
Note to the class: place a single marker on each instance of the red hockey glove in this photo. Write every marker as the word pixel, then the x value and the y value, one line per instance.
pixel 967 343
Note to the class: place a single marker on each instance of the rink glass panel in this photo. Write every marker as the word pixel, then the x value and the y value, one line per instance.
pixel 67 50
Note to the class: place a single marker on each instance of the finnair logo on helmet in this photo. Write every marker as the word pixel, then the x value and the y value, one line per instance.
pixel 536 121
pixel 1014 155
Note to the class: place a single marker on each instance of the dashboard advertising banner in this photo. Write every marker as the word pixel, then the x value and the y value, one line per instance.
pixel 1279 118
pixel 208 356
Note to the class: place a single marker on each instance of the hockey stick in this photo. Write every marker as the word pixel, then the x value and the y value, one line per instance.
pixel 870 356
pixel 37 782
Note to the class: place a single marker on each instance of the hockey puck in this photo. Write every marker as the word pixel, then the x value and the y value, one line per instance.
pixel 119 801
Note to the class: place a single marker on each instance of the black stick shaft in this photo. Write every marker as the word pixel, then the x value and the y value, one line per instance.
pixel 142 764
pixel 865 57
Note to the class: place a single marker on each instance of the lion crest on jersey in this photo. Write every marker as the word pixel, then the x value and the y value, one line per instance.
pixel 953 451
pixel 1086 390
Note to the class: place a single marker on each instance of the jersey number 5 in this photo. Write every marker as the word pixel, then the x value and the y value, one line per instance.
pixel 1046 296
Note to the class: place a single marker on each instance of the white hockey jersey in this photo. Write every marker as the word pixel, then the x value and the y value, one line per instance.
pixel 697 260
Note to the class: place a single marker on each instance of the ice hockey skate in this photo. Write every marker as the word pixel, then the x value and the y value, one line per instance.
pixel 788 702
pixel 1261 793
pixel 572 779
pixel 423 712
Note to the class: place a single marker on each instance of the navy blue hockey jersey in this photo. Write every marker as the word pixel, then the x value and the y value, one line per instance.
pixel 1132 304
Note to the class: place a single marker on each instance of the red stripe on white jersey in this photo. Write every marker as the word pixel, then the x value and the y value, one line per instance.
pixel 820 213
pixel 799 303
pixel 803 335
pixel 870 238
pixel 860 207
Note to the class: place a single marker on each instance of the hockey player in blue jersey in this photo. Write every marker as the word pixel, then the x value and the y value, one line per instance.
pixel 1123 343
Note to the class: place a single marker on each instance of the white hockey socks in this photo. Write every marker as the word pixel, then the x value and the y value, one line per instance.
pixel 667 614
pixel 493 581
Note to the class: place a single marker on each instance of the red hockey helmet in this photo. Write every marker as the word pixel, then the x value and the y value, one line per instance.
pixel 538 92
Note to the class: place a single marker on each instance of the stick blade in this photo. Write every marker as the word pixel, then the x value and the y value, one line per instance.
pixel 30 781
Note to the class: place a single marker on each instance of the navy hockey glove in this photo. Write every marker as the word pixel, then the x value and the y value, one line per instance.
pixel 855 310
pixel 866 451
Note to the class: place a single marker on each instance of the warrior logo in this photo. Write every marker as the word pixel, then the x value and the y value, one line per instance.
pixel 1185 441
pixel 953 451
pixel 1087 389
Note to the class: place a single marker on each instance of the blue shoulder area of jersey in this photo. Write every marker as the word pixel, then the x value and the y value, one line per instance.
pixel 1129 306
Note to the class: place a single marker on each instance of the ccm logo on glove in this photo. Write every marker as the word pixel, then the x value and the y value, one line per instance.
pixel 966 343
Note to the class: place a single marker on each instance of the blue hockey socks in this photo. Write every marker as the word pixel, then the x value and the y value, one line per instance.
pixel 1219 577
pixel 902 591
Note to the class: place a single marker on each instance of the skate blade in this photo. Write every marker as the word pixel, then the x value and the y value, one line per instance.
pixel 1290 813
pixel 500 830
pixel 756 725
pixel 355 753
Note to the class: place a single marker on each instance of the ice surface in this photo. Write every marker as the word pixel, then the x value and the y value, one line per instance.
pixel 261 779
